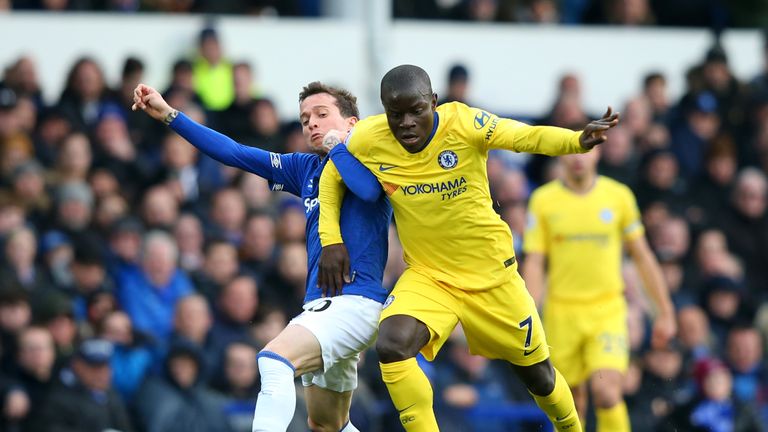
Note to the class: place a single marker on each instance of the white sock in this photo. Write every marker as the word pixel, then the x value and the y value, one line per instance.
pixel 349 427
pixel 277 399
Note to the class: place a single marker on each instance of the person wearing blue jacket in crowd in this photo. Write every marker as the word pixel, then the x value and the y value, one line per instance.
pixel 323 343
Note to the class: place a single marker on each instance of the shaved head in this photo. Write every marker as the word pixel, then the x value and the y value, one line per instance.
pixel 406 79
pixel 409 104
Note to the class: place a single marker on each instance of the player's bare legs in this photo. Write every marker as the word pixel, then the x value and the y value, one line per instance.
pixel 610 409
pixel 328 410
pixel 400 339
pixel 299 346
pixel 551 393
pixel 294 352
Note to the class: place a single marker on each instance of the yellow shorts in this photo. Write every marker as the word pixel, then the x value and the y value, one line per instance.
pixel 499 323
pixel 587 337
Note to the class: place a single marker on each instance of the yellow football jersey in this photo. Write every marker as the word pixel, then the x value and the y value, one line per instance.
pixel 582 237
pixel 440 196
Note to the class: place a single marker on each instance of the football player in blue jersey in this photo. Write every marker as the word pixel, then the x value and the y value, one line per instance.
pixel 323 343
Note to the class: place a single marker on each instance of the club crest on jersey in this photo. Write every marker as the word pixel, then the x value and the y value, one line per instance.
pixel 447 159
pixel 606 215
pixel 388 301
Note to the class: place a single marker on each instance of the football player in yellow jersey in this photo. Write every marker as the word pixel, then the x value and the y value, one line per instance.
pixel 577 227
pixel 431 162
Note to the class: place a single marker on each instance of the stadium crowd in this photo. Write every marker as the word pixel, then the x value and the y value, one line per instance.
pixel 713 13
pixel 139 278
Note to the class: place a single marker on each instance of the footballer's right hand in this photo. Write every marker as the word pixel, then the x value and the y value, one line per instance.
pixel 333 269
pixel 151 102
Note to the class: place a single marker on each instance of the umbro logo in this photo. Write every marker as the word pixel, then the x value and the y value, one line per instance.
pixel 383 167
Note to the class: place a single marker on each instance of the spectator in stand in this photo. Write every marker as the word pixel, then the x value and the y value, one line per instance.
pixel 182 88
pixel 710 193
pixel 22 78
pixel 236 308
pixel 125 245
pixel 655 91
pixel 20 266
pixel 114 149
pixel 89 275
pixel 131 76
pixel 86 401
pixel 234 120
pixel 219 269
pixel 264 129
pixel 746 227
pixel 619 160
pixel 291 221
pixel 131 359
pixel 284 286
pixel 692 136
pixel 35 374
pixel 149 294
pixel 458 85
pixel 28 184
pixel 694 334
pixel 671 241
pixel 662 386
pixel 192 322
pixel 257 250
pixel 15 315
pixel 212 73
pixel 728 91
pixel 228 214
pixel 74 208
pixel 714 408
pixel 55 313
pixel 52 128
pixel 74 159
pixel 189 236
pixel 744 356
pixel 160 208
pixel 85 94
pixel 178 401
pixel 239 385
pixel 57 254
pixel 724 300
pixel 659 181
pixel 258 196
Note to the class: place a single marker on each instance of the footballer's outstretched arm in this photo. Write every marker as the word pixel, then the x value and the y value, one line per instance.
pixel 501 133
pixel 334 258
pixel 214 144
pixel 664 327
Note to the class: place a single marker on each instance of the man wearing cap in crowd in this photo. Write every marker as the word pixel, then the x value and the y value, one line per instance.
pixel 86 401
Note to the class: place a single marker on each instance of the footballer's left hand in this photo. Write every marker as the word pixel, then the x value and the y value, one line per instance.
pixel 594 133
pixel 333 138
pixel 664 329
pixel 333 269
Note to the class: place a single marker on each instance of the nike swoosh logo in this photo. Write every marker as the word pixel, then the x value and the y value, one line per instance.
pixel 526 353
pixel 383 167
pixel 409 406
pixel 559 419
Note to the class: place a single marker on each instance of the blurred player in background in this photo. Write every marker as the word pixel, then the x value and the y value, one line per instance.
pixel 322 344
pixel 431 162
pixel 576 229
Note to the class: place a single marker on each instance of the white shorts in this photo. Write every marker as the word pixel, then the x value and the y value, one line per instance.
pixel 345 326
